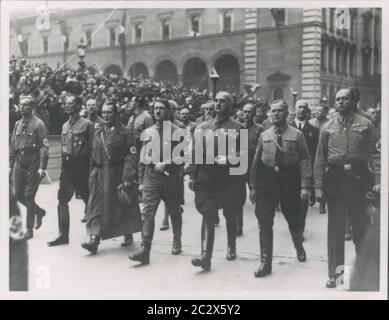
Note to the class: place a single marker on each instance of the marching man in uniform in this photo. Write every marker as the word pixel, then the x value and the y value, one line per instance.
pixel 281 172
pixel 346 146
pixel 28 157
pixel 159 181
pixel 214 185
pixel 77 135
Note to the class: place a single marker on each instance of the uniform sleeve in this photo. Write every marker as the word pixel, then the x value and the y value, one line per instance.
pixel 255 165
pixel 12 151
pixel 320 159
pixel 130 160
pixel 43 145
pixel 305 163
pixel 91 136
pixel 193 168
pixel 371 141
pixel 148 122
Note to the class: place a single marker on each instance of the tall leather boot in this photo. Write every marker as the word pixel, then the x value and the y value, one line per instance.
pixel 239 225
pixel 165 220
pixel 39 214
pixel 207 240
pixel 143 253
pixel 63 225
pixel 266 246
pixel 177 231
pixel 298 244
pixel 84 218
pixel 231 223
pixel 92 245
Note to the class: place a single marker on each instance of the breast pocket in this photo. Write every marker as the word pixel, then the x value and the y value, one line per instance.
pixel 31 139
pixel 336 139
pixel 80 141
pixel 290 148
pixel 359 132
pixel 267 148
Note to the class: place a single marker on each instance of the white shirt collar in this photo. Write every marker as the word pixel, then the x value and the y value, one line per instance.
pixel 303 123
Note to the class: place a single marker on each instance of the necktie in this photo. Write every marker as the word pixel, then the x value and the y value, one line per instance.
pixel 279 153
pixel 300 126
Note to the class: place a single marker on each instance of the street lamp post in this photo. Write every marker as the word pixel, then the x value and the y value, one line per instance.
pixel 81 54
pixel 214 77
pixel 294 94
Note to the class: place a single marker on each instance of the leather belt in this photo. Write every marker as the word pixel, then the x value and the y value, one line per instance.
pixel 347 166
pixel 111 165
pixel 27 151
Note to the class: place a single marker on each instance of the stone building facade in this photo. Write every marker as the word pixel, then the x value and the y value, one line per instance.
pixel 304 50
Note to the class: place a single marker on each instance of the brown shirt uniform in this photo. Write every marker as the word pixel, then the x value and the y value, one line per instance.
pixel 77 138
pixel 29 137
pixel 294 149
pixel 344 141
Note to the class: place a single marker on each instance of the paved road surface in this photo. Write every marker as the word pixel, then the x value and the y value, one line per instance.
pixel 72 271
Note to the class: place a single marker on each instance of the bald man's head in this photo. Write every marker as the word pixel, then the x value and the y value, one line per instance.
pixel 302 110
pixel 223 103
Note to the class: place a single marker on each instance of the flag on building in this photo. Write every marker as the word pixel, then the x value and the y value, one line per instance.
pixel 122 38
pixel 22 43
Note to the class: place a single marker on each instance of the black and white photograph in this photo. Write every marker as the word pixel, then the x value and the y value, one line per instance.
pixel 194 150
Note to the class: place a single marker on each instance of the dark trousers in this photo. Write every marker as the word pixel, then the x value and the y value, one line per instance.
pixel 273 188
pixel 74 178
pixel 157 187
pixel 215 188
pixel 345 192
pixel 26 183
pixel 182 196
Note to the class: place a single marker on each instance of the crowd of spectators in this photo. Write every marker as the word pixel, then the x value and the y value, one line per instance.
pixel 49 87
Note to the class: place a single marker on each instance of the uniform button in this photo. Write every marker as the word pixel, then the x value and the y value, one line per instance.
pixel 22 152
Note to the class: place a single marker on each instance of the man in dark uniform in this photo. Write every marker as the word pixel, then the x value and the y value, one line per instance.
pixel 214 185
pixel 28 157
pixel 254 131
pixel 160 181
pixel 311 135
pixel 179 124
pixel 77 135
pixel 346 144
pixel 281 172
pixel 113 208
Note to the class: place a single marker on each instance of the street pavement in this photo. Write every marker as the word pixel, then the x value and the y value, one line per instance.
pixel 70 271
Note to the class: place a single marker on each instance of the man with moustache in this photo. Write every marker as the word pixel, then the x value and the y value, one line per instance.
pixel 281 172
pixel 159 181
pixel 28 157
pixel 92 109
pixel 208 112
pixel 213 184
pixel 185 119
pixel 180 124
pixel 311 135
pixel 76 140
pixel 346 145
pixel 254 131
